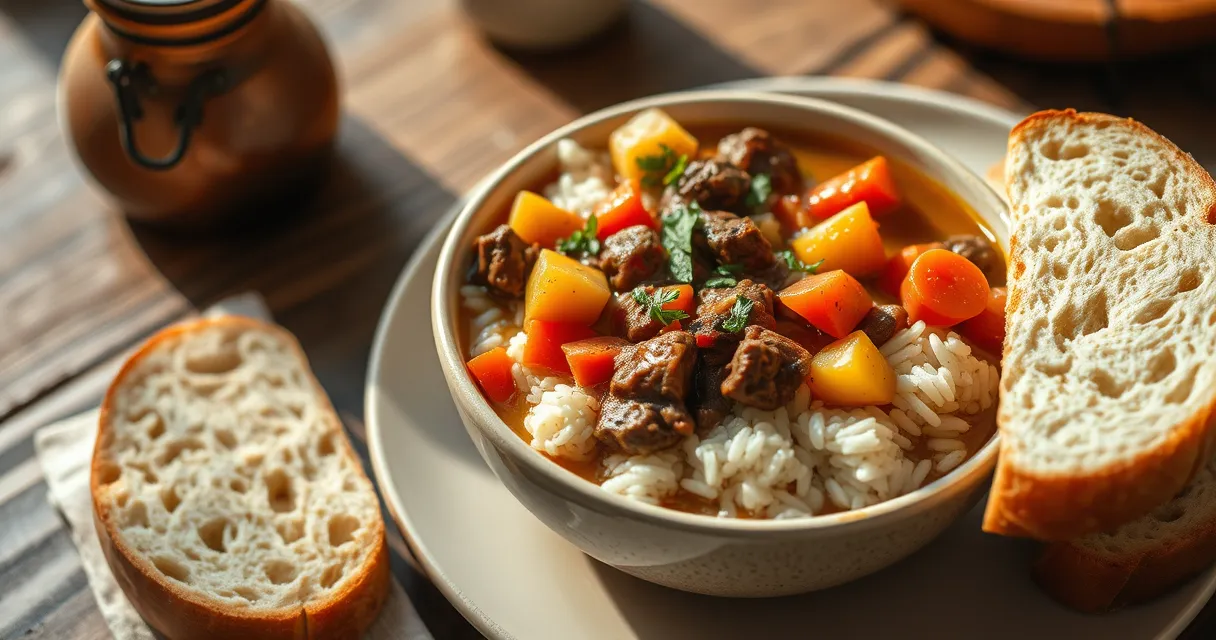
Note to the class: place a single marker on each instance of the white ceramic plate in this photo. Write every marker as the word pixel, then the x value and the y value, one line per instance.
pixel 513 578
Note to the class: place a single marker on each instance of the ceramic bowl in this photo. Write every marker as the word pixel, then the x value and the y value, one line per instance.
pixel 728 557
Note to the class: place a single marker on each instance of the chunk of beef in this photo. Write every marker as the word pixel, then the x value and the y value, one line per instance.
pixel 800 331
pixel 504 261
pixel 713 184
pixel 776 276
pixel 636 323
pixel 730 239
pixel 658 369
pixel 633 255
pixel 976 249
pixel 757 152
pixel 882 322
pixel 710 405
pixel 644 409
pixel 640 426
pixel 766 370
pixel 715 305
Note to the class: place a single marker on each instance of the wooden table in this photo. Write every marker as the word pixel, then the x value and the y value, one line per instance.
pixel 430 108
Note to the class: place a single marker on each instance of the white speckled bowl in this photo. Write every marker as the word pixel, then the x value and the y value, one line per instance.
pixel 749 558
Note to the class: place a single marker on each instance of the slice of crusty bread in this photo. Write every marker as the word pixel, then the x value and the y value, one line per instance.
pixel 227 499
pixel 1109 380
pixel 1141 559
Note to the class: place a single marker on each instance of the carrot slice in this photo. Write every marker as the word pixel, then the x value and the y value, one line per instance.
pixel 623 209
pixel 791 214
pixel 492 370
pixel 545 340
pixel 893 274
pixel 833 302
pixel 674 325
pixel 987 330
pixel 943 289
pixel 868 182
pixel 684 300
pixel 592 360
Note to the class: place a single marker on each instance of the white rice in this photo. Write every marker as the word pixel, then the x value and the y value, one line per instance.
pixel 937 375
pixel 749 462
pixel 766 464
pixel 561 416
pixel 585 181
pixel 646 478
pixel 562 422
pixel 493 322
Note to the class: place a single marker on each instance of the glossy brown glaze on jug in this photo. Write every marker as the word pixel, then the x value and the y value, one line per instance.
pixel 193 112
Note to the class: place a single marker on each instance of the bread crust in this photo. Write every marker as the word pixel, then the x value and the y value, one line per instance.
pixel 1060 507
pixel 177 613
pixel 1092 582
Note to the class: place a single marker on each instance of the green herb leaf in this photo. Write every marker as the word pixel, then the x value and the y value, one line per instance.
pixel 662 169
pixel 726 276
pixel 583 241
pixel 654 305
pixel 761 189
pixel 795 264
pixel 677 239
pixel 738 315
pixel 676 171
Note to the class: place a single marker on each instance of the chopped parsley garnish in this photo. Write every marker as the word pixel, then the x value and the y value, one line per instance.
pixel 664 168
pixel 654 305
pixel 795 264
pixel 725 276
pixel 582 241
pixel 677 239
pixel 762 188
pixel 738 315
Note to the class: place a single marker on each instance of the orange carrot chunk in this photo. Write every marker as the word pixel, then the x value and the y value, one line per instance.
pixel 591 360
pixel 869 182
pixel 833 302
pixel 791 214
pixel 987 330
pixel 943 289
pixel 492 370
pixel 893 274
pixel 545 339
pixel 623 209
pixel 684 299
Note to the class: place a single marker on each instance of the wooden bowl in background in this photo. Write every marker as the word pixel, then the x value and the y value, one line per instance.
pixel 1072 30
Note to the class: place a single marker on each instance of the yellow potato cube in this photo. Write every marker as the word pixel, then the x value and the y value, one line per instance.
pixel 642 136
pixel 562 289
pixel 535 219
pixel 851 372
pixel 848 241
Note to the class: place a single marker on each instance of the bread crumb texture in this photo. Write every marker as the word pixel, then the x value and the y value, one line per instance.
pixel 225 470
pixel 1112 315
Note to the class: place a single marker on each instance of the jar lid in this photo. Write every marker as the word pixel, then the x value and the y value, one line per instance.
pixel 168 12
pixel 175 22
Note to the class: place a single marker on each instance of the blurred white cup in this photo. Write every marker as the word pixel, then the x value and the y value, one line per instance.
pixel 542 24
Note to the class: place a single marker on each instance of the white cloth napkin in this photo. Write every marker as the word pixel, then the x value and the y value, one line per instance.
pixel 64 450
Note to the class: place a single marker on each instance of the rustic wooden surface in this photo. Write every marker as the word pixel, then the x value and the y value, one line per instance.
pixel 430 107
